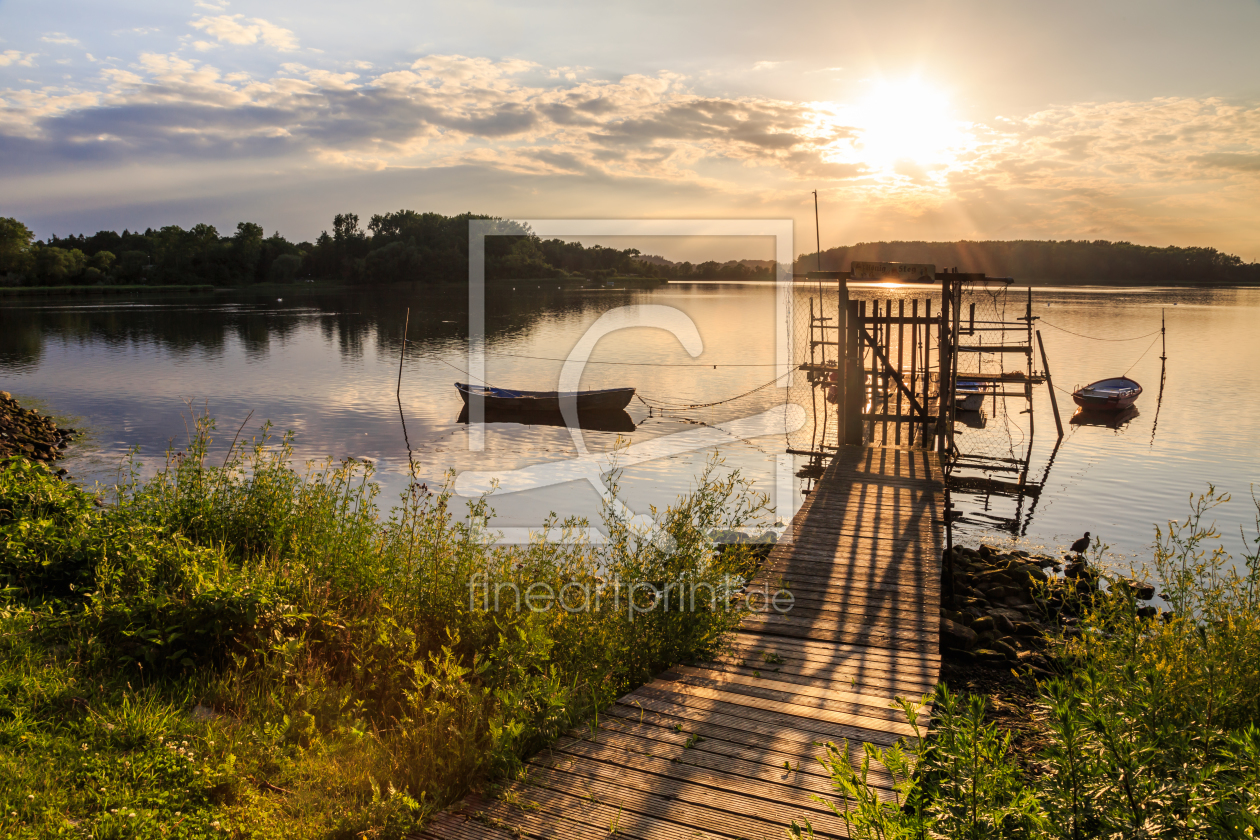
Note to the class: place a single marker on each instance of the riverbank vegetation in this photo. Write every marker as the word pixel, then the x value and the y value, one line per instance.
pixel 1145 729
pixel 241 647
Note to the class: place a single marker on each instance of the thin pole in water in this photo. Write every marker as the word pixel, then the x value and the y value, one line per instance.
pixel 1054 402
pixel 398 395
pixel 1163 337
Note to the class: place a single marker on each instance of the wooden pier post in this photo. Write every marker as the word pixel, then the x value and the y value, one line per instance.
pixel 901 343
pixel 855 388
pixel 843 328
pixel 1054 403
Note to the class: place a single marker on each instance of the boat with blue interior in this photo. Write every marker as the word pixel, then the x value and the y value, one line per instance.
pixel 1115 394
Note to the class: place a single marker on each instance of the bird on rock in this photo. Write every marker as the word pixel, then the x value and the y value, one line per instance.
pixel 1081 545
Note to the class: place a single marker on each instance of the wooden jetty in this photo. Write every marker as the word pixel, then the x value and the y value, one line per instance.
pixel 729 748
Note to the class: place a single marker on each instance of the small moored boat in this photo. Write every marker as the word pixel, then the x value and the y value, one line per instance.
pixel 1115 394
pixel 969 395
pixel 505 399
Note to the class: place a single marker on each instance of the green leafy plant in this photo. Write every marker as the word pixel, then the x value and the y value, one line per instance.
pixel 1149 730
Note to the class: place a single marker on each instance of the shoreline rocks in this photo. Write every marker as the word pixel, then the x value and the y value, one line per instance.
pixel 1007 604
pixel 29 434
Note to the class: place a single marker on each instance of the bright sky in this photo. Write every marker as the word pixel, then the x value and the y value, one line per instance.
pixel 1135 120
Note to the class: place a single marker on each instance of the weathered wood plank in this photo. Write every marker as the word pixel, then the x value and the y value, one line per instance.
pixel 782 756
pixel 854 679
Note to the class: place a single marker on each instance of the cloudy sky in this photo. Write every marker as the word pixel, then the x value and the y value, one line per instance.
pixel 930 120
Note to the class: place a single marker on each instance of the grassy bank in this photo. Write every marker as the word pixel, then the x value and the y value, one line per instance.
pixel 249 649
pixel 1147 729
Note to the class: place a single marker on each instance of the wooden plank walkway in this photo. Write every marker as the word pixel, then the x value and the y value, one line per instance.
pixel 728 749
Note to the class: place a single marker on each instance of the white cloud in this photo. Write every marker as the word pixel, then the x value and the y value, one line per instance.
pixel 1111 168
pixel 18 59
pixel 324 79
pixel 60 38
pixel 204 46
pixel 567 73
pixel 236 29
pixel 766 65
pixel 212 5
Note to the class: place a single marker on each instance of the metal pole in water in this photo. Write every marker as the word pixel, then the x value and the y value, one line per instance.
pixel 1163 337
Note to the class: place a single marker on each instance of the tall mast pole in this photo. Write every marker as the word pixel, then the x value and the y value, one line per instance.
pixel 817 232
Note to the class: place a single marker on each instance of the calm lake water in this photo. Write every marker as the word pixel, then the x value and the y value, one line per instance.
pixel 325 364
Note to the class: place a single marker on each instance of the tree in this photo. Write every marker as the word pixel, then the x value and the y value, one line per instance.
pixel 132 266
pixel 246 252
pixel 15 246
pixel 284 268
pixel 101 261
pixel 397 261
pixel 57 265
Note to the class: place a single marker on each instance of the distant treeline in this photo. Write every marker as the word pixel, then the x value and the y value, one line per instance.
pixel 396 247
pixel 1068 261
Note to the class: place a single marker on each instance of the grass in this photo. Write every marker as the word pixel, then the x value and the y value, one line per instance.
pixel 250 649
pixel 1149 728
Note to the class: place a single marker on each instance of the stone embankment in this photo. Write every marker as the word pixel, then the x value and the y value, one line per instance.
pixel 1006 604
pixel 30 434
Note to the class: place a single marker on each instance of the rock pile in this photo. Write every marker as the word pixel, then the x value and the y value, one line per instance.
pixel 1006 604
pixel 30 434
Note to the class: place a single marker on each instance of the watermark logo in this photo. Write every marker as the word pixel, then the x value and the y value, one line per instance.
pixel 594 467
pixel 636 598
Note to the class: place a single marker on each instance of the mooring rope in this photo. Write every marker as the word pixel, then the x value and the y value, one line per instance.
pixel 671 406
pixel 1140 358
pixel 1096 338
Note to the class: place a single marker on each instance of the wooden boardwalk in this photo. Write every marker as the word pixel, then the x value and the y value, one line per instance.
pixel 728 749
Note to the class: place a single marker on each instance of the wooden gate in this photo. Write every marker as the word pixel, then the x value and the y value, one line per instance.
pixel 893 384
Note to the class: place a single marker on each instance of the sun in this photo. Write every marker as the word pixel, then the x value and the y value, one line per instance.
pixel 902 129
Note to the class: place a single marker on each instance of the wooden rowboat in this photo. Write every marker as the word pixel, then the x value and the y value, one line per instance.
pixel 969 395
pixel 1115 394
pixel 504 399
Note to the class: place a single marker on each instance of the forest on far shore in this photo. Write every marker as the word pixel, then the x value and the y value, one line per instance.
pixel 1096 262
pixel 405 246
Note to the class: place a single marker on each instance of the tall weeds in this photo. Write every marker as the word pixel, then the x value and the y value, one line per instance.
pixel 286 601
pixel 1149 731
